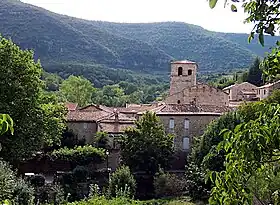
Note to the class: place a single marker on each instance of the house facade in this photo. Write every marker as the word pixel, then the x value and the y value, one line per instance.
pixel 266 90
pixel 241 92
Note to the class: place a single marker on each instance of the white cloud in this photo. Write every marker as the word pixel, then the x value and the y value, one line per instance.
pixel 191 11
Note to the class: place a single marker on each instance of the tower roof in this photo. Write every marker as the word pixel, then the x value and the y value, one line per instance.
pixel 183 62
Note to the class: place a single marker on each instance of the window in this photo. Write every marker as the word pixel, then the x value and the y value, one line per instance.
pixel 178 102
pixel 186 143
pixel 180 71
pixel 85 125
pixel 264 92
pixel 189 72
pixel 187 124
pixel 171 123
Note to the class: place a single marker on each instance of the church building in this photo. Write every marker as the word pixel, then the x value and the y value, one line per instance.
pixel 184 88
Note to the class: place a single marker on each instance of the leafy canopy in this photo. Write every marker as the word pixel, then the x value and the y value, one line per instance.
pixel 122 181
pixel 37 122
pixel 77 90
pixel 146 147
pixel 251 149
pixel 81 154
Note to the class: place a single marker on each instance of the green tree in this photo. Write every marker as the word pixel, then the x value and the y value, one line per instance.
pixel 102 140
pixel 122 181
pixel 252 149
pixel 77 89
pixel 52 81
pixel 12 188
pixel 255 73
pixel 21 94
pixel 147 147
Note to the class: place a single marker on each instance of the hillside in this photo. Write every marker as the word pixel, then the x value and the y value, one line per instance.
pixel 181 40
pixel 66 42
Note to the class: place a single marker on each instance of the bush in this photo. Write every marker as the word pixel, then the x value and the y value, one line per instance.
pixel 82 155
pixel 24 194
pixel 168 185
pixel 7 181
pixel 195 182
pixel 102 140
pixel 37 181
pixel 103 201
pixel 13 188
pixel 122 182
pixel 81 173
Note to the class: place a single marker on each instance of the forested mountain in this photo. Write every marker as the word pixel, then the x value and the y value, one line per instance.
pixel 68 45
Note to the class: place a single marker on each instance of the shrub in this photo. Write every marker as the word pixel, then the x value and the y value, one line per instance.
pixel 13 188
pixel 80 155
pixel 7 181
pixel 195 182
pixel 23 193
pixel 37 181
pixel 102 140
pixel 167 185
pixel 122 182
pixel 103 201
pixel 81 173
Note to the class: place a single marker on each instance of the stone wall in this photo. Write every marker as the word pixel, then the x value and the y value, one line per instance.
pixel 235 91
pixel 199 95
pixel 197 125
pixel 84 130
pixel 178 83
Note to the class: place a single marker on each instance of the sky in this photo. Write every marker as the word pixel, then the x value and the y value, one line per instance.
pixel 196 12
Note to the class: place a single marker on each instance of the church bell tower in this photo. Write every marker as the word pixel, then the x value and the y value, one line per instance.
pixel 183 75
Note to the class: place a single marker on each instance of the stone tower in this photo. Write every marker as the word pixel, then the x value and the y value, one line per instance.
pixel 183 75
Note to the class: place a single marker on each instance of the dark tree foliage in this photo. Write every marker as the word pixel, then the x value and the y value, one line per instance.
pixel 212 138
pixel 255 73
pixel 38 119
pixel 147 147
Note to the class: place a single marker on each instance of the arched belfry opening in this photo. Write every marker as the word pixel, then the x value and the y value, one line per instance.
pixel 189 72
pixel 180 71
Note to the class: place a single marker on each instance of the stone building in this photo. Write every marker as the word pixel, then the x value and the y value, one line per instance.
pixel 266 90
pixel 184 88
pixel 241 92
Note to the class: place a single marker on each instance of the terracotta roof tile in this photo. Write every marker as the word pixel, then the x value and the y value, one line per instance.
pixel 71 106
pixel 138 108
pixel 114 127
pixel 85 116
pixel 112 117
pixel 179 108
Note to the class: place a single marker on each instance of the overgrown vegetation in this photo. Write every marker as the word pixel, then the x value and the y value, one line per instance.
pixel 147 147
pixel 38 119
pixel 80 154
pixel 122 183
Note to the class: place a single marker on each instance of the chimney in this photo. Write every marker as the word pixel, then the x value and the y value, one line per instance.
pixel 116 113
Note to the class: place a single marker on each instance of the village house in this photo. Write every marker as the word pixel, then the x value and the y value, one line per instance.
pixel 186 112
pixel 241 92
pixel 266 90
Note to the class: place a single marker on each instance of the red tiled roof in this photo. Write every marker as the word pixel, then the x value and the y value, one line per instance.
pixel 86 116
pixel 191 108
pixel 113 117
pixel 71 106
pixel 114 127
pixel 138 108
